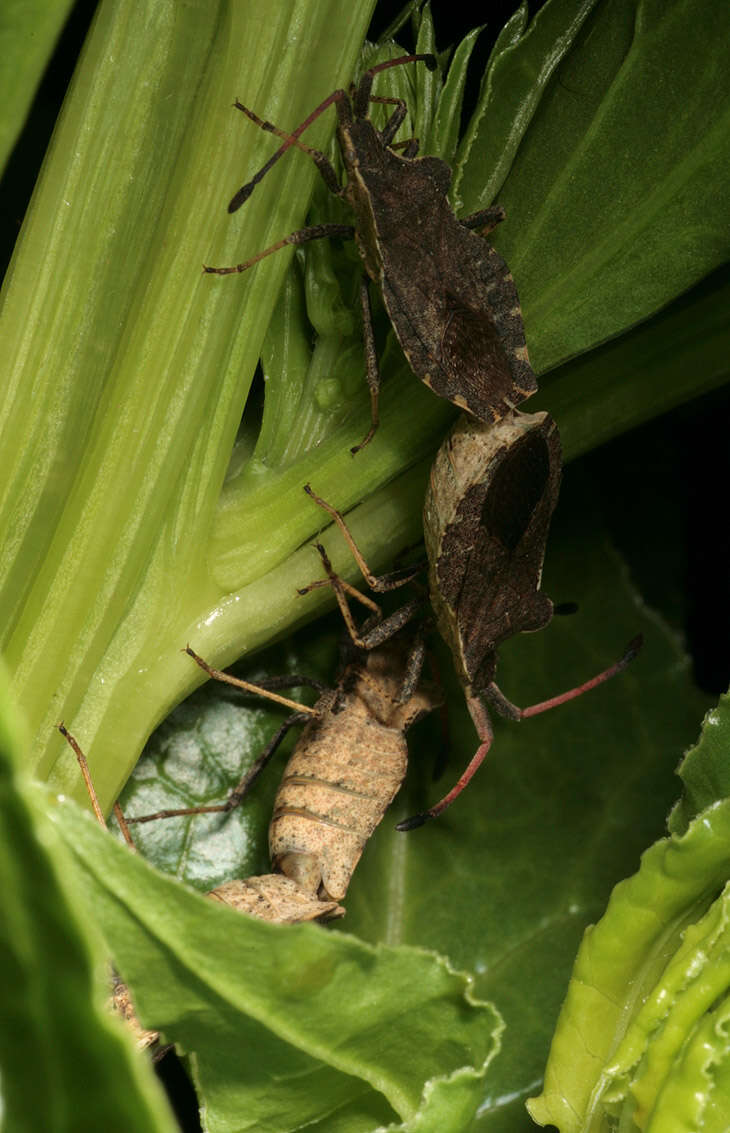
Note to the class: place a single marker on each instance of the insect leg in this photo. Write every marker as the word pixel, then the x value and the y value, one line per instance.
pixel 289 680
pixel 378 583
pixel 391 625
pixel 324 165
pixel 259 690
pixel 339 97
pixel 410 147
pixel 242 787
pixel 361 96
pixel 302 713
pixel 505 707
pixel 485 219
pixel 301 236
pixel 413 668
pixel 340 589
pixel 371 362
pixel 120 998
pixel 483 726
pixel 319 583
pixel 391 127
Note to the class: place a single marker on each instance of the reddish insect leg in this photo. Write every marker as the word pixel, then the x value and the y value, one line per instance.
pixel 506 708
pixel 483 725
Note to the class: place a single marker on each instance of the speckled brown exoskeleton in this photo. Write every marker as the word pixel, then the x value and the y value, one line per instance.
pixel 344 772
pixel 491 495
pixel 449 295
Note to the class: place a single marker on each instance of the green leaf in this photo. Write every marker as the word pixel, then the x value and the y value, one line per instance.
pixel 643 1034
pixel 135 517
pixel 448 113
pixel 288 1024
pixel 612 195
pixel 643 980
pixel 523 62
pixel 678 354
pixel 65 1064
pixel 106 307
pixel 704 769
pixel 28 33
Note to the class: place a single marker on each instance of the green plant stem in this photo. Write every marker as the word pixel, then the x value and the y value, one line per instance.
pixel 141 367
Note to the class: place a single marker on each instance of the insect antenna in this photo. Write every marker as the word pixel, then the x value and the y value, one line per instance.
pixel 84 766
pixel 290 140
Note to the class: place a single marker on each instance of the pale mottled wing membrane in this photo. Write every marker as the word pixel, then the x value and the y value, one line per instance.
pixel 504 521
pixel 273 897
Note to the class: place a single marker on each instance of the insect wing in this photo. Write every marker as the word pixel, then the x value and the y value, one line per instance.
pixel 486 519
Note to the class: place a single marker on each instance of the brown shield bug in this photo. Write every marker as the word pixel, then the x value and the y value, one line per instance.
pixel 490 499
pixel 449 295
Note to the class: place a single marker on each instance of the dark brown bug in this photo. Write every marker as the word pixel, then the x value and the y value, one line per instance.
pixel 449 295
pixel 491 495
pixel 486 517
pixel 344 772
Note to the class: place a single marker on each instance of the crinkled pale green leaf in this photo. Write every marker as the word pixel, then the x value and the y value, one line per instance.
pixel 717 1109
pixel 631 1032
pixel 705 769
pixel 691 1099
pixel 28 33
pixel 693 981
pixel 65 1065
pixel 643 1034
pixel 287 1024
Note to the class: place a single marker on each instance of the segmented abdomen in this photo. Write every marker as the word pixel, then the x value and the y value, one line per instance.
pixel 342 776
